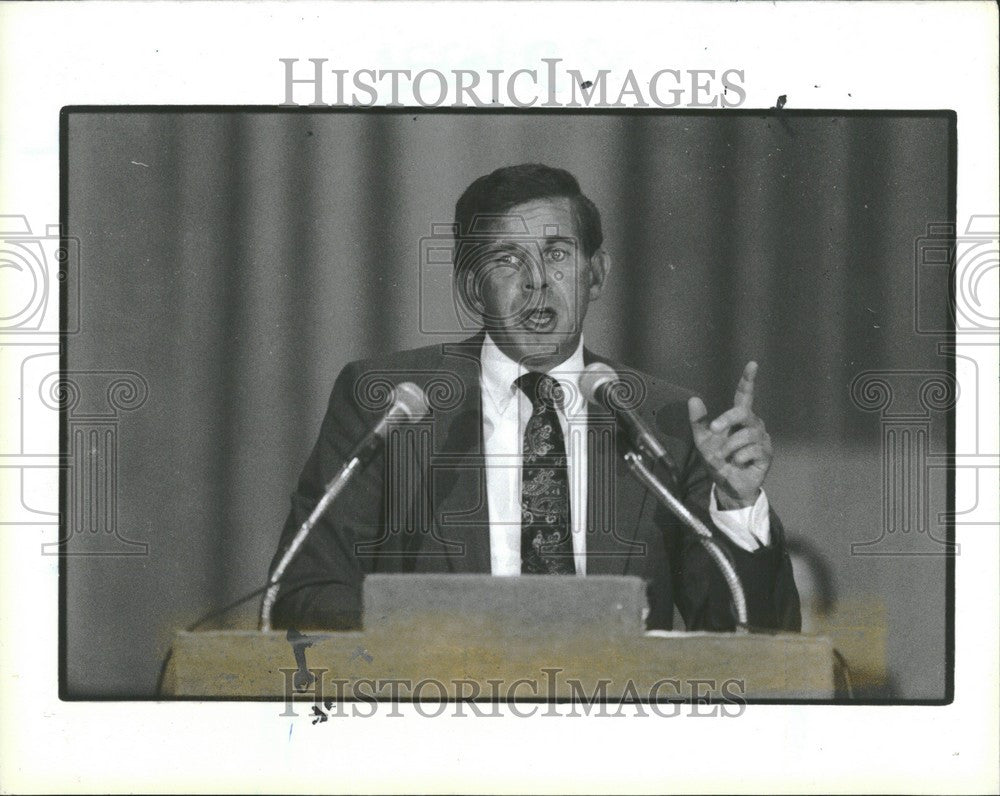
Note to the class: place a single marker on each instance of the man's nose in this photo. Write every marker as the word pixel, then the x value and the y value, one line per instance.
pixel 537 277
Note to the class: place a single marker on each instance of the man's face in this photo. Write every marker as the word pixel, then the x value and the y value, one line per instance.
pixel 532 283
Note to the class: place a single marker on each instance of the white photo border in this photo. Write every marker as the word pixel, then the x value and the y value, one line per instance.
pixel 844 56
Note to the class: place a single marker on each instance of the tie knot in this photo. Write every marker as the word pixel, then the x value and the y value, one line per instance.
pixel 541 388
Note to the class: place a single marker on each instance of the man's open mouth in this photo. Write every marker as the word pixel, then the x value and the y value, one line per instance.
pixel 540 320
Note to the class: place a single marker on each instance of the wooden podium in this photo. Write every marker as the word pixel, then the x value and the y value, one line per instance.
pixel 472 636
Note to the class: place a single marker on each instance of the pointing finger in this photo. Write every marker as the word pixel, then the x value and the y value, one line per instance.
pixel 744 390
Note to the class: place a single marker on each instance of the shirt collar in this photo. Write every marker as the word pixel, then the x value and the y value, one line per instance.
pixel 499 373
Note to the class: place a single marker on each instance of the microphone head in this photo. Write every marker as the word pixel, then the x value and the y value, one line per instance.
pixel 595 376
pixel 410 401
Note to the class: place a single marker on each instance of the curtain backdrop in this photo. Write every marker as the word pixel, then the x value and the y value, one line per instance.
pixel 237 260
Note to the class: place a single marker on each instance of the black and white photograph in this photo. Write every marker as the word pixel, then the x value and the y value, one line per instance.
pixel 499 397
pixel 722 303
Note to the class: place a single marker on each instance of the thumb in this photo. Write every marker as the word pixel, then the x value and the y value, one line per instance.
pixel 697 413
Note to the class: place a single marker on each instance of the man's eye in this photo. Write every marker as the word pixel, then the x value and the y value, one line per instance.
pixel 507 258
pixel 557 255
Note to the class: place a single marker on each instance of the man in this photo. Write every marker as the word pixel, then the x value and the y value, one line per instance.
pixel 515 474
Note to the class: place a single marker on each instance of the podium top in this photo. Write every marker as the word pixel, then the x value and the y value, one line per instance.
pixel 596 606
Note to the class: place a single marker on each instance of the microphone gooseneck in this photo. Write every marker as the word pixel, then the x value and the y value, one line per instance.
pixel 601 385
pixel 409 405
pixel 704 535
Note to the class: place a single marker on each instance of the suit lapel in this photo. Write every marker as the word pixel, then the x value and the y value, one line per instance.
pixel 457 477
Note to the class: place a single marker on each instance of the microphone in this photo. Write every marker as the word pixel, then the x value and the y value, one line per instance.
pixel 600 384
pixel 409 405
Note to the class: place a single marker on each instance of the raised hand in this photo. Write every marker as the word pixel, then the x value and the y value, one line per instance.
pixel 735 446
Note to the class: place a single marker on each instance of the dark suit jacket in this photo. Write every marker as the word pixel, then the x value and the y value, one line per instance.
pixel 423 508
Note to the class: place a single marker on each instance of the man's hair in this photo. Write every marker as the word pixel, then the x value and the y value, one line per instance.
pixel 497 192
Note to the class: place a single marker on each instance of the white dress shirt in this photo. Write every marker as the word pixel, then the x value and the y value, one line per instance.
pixel 506 410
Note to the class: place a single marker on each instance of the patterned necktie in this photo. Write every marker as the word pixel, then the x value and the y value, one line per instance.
pixel 546 544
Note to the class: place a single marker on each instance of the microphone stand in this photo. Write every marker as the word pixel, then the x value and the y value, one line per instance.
pixel 410 405
pixel 651 482
pixel 334 488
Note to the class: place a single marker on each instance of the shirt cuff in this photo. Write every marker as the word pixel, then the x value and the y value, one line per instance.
pixel 749 527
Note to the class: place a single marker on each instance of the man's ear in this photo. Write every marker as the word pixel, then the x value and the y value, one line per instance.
pixel 600 267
